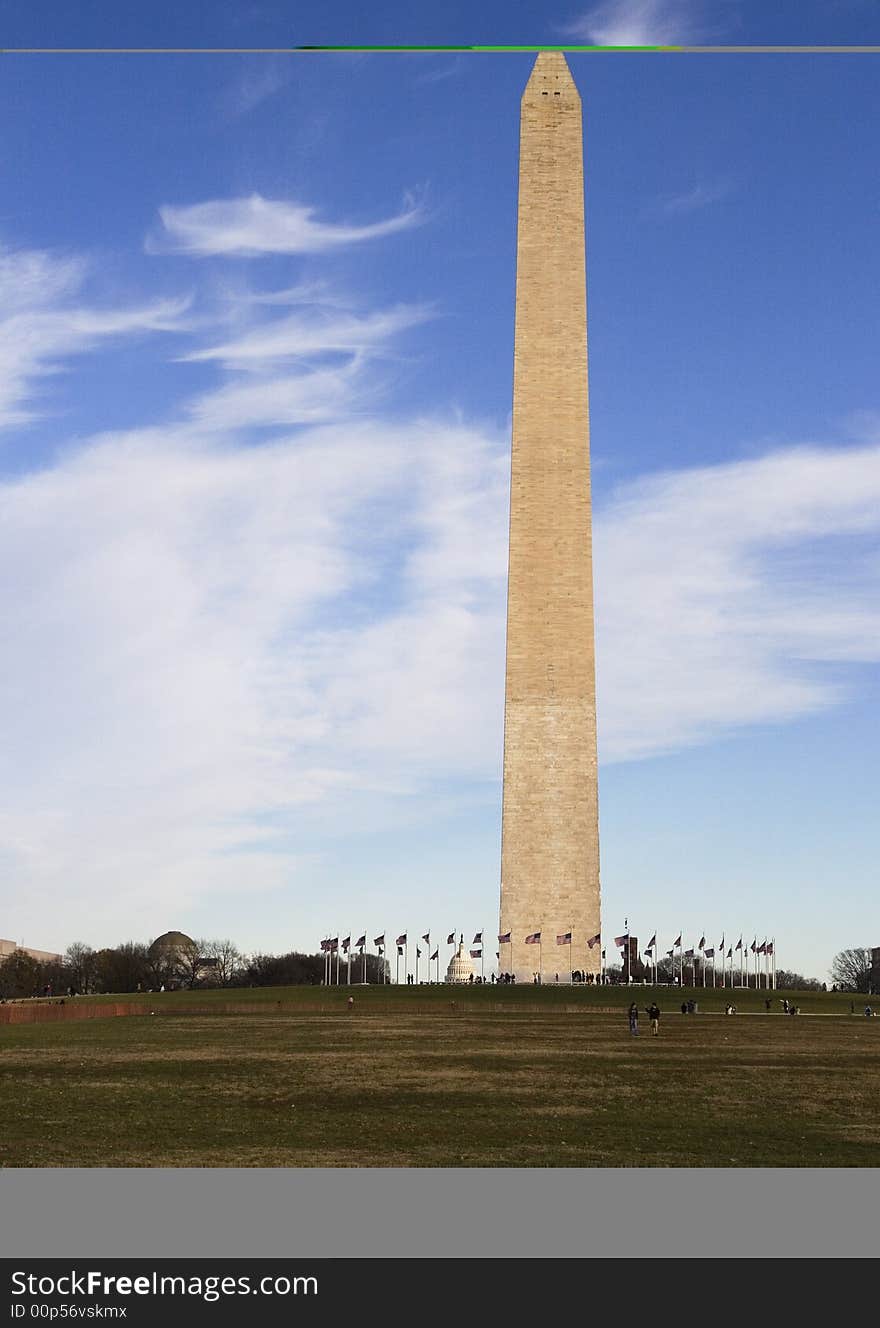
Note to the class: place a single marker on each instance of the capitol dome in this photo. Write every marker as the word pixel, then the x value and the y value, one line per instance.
pixel 461 968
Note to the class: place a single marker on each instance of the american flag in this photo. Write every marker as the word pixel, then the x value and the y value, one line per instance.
pixel 401 940
pixel 710 954
pixel 434 955
pixel 688 954
pixel 476 954
pixel 325 945
pixel 670 954
pixel 730 952
pixel 769 947
pixel 505 939
pixel 478 938
pixel 565 939
pixel 427 938
pixel 362 941
pixel 702 944
pixel 450 939
pixel 676 942
pixel 594 940
pixel 534 939
pixel 334 944
pixel 739 944
pixel 620 941
pixel 762 948
pixel 379 940
pixel 652 942
pixel 399 951
pixel 752 946
pixel 418 953
pixel 721 944
pixel 346 943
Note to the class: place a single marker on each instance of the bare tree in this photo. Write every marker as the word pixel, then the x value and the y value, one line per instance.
pixel 786 980
pixel 188 963
pixel 228 957
pixel 851 969
pixel 79 960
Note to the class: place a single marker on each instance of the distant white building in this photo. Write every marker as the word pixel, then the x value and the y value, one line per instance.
pixel 42 956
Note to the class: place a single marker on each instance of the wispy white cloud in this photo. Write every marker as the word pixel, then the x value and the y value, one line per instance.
pixel 316 332
pixel 41 327
pixel 639 23
pixel 698 196
pixel 436 71
pixel 210 639
pixel 251 226
pixel 306 397
pixel 734 595
pixel 258 80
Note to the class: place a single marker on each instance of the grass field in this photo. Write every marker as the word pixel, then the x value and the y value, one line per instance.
pixel 504 1077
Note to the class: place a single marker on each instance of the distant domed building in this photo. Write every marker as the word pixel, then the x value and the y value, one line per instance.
pixel 461 967
pixel 172 946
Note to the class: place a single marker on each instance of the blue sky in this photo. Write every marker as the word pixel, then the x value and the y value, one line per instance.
pixel 255 378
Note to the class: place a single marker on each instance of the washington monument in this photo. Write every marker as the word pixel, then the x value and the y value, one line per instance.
pixel 550 821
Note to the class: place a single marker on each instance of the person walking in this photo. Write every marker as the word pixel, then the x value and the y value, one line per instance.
pixel 634 1019
pixel 654 1016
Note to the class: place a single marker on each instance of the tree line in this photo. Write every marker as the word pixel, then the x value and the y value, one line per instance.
pixel 135 966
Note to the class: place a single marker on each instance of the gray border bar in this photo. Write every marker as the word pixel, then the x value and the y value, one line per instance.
pixel 426 1213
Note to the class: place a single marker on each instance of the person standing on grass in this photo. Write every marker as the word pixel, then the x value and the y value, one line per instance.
pixel 634 1019
pixel 654 1016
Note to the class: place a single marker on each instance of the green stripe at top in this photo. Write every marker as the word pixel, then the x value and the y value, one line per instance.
pixel 488 48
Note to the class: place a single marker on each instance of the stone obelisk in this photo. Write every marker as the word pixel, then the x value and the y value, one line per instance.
pixel 550 822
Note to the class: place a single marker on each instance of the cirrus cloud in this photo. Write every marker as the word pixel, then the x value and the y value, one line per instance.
pixel 248 227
